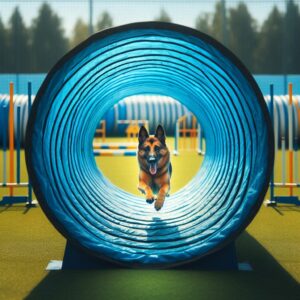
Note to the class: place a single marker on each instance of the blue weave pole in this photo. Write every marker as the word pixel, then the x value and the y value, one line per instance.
pixel 18 144
pixel 150 58
pixel 29 88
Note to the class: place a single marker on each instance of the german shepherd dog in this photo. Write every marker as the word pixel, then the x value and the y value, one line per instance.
pixel 155 166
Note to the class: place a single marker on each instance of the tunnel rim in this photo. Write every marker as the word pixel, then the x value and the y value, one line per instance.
pixel 153 25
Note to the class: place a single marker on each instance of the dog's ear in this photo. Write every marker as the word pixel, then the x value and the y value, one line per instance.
pixel 160 134
pixel 143 135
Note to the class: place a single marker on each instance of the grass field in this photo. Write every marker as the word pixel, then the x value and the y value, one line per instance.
pixel 28 241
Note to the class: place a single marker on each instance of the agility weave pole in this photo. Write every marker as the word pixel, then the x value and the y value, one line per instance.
pixel 14 179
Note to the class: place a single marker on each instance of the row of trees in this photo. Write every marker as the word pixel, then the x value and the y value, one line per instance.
pixel 37 48
pixel 272 48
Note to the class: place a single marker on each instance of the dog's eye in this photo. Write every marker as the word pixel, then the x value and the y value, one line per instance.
pixel 147 148
pixel 156 148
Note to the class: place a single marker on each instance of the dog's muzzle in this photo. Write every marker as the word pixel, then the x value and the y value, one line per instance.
pixel 151 159
pixel 152 165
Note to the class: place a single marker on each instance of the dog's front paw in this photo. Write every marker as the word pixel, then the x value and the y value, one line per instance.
pixel 150 200
pixel 159 202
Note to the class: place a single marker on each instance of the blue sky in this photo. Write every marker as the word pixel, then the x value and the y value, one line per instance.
pixel 182 12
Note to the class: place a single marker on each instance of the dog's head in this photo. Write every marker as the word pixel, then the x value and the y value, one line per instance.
pixel 153 153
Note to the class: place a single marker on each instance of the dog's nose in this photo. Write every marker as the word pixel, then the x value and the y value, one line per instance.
pixel 151 159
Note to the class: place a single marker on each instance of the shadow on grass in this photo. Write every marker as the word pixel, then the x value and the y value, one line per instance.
pixel 20 207
pixel 268 281
pixel 281 208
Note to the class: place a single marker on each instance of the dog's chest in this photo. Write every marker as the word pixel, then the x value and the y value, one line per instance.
pixel 155 187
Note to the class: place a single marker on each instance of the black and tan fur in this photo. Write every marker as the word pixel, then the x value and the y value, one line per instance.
pixel 155 166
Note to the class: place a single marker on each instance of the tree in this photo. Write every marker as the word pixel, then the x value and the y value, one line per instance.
pixel 291 40
pixel 215 24
pixel 203 23
pixel 270 44
pixel 243 35
pixel 163 17
pixel 48 41
pixel 3 48
pixel 18 44
pixel 104 21
pixel 219 23
pixel 80 33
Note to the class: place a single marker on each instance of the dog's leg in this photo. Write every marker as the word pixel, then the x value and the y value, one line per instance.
pixel 145 189
pixel 164 190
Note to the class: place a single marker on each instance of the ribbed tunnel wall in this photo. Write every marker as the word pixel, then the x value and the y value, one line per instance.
pixel 161 59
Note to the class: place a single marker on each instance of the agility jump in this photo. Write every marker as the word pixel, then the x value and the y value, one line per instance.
pixel 292 127
pixel 188 138
pixel 121 149
pixel 7 114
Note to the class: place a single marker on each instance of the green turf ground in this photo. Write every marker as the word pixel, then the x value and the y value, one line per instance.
pixel 28 241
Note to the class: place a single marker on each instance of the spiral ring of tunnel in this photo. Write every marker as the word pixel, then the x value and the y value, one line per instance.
pixel 154 58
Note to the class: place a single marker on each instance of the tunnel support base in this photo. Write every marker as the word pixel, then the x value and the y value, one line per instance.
pixel 224 259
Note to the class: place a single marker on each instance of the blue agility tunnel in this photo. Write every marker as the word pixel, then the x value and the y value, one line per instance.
pixel 163 59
